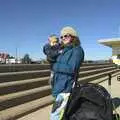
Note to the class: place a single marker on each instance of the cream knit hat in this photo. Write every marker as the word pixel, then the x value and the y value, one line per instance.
pixel 68 30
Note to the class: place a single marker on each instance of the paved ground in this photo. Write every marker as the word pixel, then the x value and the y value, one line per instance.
pixel 114 90
pixel 43 114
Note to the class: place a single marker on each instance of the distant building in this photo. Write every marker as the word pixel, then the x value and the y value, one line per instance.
pixel 113 43
pixel 5 58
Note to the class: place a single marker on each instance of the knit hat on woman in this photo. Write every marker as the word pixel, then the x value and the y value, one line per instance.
pixel 72 32
pixel 68 30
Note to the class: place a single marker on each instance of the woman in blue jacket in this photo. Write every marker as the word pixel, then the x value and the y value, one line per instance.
pixel 65 70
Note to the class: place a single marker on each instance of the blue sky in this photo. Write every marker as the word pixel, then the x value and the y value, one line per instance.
pixel 26 24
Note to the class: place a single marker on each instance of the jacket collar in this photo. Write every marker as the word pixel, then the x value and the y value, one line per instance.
pixel 67 47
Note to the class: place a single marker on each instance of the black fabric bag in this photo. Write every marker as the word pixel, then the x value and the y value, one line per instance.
pixel 89 102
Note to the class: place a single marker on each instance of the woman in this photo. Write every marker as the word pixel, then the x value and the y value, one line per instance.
pixel 65 70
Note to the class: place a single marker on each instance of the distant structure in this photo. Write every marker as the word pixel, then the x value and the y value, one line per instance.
pixel 113 43
pixel 5 58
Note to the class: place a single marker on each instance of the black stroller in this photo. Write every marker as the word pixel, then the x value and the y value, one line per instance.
pixel 90 102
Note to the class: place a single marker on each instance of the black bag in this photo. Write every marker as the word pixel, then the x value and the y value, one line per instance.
pixel 89 102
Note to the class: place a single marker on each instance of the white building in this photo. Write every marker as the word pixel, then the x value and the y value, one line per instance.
pixel 113 43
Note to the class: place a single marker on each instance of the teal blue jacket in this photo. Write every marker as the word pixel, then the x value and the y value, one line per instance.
pixel 65 68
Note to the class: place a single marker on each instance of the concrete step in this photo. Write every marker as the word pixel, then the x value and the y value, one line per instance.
pixel 16 112
pixel 13 99
pixel 31 67
pixel 13 76
pixel 15 86
pixel 43 113
pixel 85 68
pixel 22 67
pixel 23 90
pixel 100 80
pixel 27 95
pixel 96 64
pixel 49 111
pixel 89 78
pixel 95 71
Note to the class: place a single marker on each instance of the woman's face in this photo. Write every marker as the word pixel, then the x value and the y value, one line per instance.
pixel 66 39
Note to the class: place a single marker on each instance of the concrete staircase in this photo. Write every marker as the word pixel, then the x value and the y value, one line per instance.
pixel 25 88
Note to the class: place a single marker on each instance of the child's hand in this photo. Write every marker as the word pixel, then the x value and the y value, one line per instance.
pixel 53 41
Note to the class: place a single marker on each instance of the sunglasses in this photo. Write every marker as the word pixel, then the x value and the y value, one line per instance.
pixel 66 36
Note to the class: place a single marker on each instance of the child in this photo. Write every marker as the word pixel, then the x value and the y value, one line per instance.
pixel 52 50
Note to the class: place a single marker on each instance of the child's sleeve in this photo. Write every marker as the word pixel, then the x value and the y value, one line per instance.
pixel 50 52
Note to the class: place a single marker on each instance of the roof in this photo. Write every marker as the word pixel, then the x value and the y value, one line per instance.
pixel 113 42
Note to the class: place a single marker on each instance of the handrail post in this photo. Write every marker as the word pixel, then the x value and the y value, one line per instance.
pixel 109 79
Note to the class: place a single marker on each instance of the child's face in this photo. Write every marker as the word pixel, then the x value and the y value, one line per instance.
pixel 53 41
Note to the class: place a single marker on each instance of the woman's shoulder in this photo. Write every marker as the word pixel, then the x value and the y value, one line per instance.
pixel 77 48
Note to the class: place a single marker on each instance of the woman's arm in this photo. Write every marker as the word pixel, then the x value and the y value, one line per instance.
pixel 73 65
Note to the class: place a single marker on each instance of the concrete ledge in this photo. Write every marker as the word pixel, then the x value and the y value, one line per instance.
pixel 92 67
pixel 28 67
pixel 15 86
pixel 104 78
pixel 96 76
pixel 13 76
pixel 95 71
pixel 20 110
pixel 22 67
pixel 92 64
pixel 20 85
pixel 10 100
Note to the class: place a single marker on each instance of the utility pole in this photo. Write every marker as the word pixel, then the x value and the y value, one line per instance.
pixel 16 55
